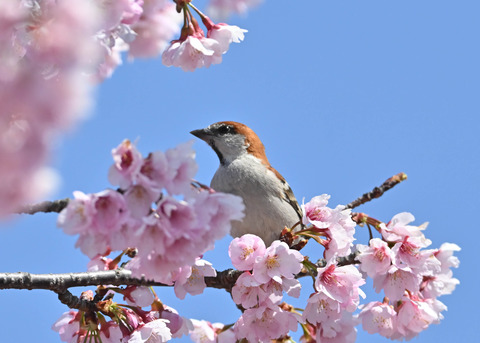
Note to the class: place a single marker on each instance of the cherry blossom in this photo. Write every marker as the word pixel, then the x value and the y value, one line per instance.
pixel 177 324
pixel 415 315
pixel 264 323
pixel 110 332
pixel 446 258
pixel 68 326
pixel 376 258
pixel 192 53
pixel 155 28
pixel 339 331
pixel 99 263
pixel 155 331
pixel 341 284
pixel 396 281
pixel 45 51
pixel 138 296
pixel 206 332
pixel 407 253
pixel 193 282
pixel 127 163
pixel 243 251
pixel 397 229
pixel 377 317
pixel 321 308
pixel 248 292
pixel 278 262
pixel 96 218
pixel 172 170
pixel 336 224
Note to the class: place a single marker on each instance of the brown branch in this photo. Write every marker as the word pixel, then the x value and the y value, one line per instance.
pixel 377 192
pixel 75 302
pixel 59 283
pixel 45 206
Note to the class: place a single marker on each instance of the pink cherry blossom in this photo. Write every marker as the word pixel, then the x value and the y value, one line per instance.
pixel 278 262
pixel 110 332
pixel 177 324
pixel 172 170
pixel 206 332
pixel 223 33
pixel 155 28
pixel 192 53
pixel 397 229
pixel 178 232
pixel 376 258
pixel 68 326
pixel 110 212
pixel 446 258
pixel 396 281
pixel 248 292
pixel 99 263
pixel 407 253
pixel 78 215
pixel 336 224
pixel 45 50
pixel 127 163
pixel 138 296
pixel 415 315
pixel 181 161
pixel 203 332
pixel 96 217
pixel 317 213
pixel 339 331
pixel 139 200
pixel 264 323
pixel 155 331
pixel 341 284
pixel 244 250
pixel 194 282
pixel 437 285
pixel 321 308
pixel 377 317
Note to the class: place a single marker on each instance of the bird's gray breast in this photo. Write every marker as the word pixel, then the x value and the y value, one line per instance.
pixel 266 212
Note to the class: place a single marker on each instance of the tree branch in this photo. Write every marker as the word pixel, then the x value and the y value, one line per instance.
pixel 377 192
pixel 59 283
pixel 45 206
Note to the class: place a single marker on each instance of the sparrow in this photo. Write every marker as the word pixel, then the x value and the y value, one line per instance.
pixel 244 170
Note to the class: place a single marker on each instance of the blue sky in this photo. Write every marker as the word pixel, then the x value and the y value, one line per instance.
pixel 344 94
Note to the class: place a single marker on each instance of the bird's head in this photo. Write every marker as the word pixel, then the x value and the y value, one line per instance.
pixel 231 140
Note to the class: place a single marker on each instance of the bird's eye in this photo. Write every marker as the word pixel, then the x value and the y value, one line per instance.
pixel 224 129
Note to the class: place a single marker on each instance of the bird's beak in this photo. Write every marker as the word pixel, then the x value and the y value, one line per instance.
pixel 201 133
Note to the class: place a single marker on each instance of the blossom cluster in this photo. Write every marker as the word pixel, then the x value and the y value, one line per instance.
pixel 165 223
pixel 45 47
pixel 268 272
pixel 329 310
pixel 410 276
pixel 127 324
pixel 336 225
pixel 193 50
pixel 52 53
pixel 145 213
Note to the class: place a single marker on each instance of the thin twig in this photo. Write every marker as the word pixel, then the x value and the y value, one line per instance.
pixel 377 192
